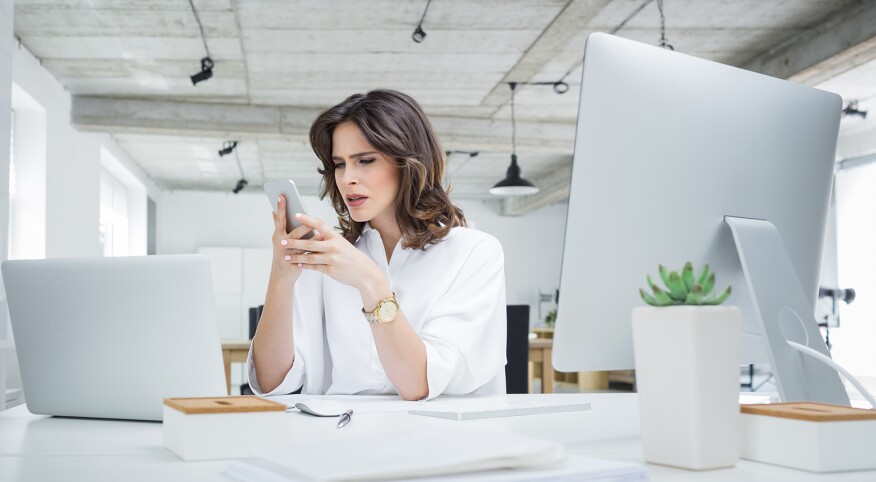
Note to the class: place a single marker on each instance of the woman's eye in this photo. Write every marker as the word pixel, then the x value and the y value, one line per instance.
pixel 339 165
pixel 366 161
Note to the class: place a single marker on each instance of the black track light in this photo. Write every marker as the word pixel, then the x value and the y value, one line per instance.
pixel 419 34
pixel 227 148
pixel 852 109
pixel 206 71
pixel 240 185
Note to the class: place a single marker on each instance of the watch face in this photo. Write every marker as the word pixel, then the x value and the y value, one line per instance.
pixel 388 311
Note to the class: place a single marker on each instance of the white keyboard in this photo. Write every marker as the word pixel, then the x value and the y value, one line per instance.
pixel 470 409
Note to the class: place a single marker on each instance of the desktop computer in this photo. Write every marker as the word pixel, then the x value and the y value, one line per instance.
pixel 668 146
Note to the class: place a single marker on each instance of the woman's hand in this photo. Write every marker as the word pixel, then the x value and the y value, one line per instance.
pixel 333 255
pixel 282 269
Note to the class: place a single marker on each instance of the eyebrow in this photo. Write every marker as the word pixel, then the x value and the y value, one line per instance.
pixel 361 154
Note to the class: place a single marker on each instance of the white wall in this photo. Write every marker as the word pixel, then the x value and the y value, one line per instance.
pixel 6 357
pixel 188 220
pixel 72 166
pixel 27 223
pixel 856 238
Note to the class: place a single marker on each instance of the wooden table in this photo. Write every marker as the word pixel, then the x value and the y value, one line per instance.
pixel 540 351
pixel 233 352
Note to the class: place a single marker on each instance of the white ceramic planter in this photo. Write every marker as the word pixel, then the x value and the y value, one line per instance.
pixel 687 377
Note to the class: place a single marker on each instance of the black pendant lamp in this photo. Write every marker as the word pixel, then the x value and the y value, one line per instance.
pixel 513 184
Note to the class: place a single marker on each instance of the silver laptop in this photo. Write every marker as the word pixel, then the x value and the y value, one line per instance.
pixel 113 337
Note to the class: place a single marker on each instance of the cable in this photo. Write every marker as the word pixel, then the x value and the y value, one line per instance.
pixel 663 42
pixel 513 122
pixel 423 17
pixel 828 361
pixel 614 31
pixel 201 27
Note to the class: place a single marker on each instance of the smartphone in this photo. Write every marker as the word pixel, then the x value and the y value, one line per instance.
pixel 294 204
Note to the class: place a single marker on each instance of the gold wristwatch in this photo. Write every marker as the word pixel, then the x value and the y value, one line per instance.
pixel 386 311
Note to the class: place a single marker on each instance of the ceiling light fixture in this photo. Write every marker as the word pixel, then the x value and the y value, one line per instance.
pixel 227 148
pixel 513 184
pixel 206 71
pixel 206 62
pixel 419 34
pixel 852 109
pixel 241 183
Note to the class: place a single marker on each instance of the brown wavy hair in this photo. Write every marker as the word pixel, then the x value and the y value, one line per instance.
pixel 394 124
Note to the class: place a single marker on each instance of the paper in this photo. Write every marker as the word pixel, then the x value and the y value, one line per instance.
pixel 576 468
pixel 398 452
pixel 359 403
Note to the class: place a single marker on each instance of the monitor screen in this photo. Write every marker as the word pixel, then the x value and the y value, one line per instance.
pixel 666 146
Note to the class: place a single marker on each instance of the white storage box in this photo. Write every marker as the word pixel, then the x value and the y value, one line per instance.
pixel 811 436
pixel 218 428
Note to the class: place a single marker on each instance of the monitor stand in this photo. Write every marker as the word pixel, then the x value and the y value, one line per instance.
pixel 784 314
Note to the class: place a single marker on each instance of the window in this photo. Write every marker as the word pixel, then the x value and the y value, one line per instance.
pixel 113 231
pixel 10 239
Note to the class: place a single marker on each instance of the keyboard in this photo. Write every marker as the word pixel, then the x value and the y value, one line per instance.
pixel 471 409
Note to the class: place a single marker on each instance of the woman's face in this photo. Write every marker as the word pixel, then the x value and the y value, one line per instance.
pixel 367 179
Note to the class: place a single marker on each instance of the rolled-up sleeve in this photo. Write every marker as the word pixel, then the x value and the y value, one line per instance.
pixel 308 366
pixel 465 333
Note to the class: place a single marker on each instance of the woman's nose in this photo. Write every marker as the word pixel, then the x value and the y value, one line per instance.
pixel 350 176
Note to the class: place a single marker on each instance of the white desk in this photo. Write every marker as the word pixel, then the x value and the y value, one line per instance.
pixel 36 448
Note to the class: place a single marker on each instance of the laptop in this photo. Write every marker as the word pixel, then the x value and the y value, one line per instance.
pixel 112 337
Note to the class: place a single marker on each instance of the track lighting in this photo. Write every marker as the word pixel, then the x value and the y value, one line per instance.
pixel 227 148
pixel 419 34
pixel 852 109
pixel 239 187
pixel 206 62
pixel 206 71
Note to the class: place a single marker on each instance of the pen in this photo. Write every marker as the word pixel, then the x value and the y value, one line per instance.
pixel 345 418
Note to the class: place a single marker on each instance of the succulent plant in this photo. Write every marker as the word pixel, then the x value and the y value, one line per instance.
pixel 684 288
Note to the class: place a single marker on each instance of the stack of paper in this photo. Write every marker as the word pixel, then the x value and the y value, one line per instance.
pixel 402 453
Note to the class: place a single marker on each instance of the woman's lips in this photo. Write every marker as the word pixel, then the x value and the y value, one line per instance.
pixel 356 201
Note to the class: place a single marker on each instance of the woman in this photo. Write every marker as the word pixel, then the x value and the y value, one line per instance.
pixel 405 299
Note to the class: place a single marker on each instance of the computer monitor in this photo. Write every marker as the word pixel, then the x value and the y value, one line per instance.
pixel 666 146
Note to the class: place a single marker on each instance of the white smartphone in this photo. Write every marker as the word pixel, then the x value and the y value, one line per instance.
pixel 294 204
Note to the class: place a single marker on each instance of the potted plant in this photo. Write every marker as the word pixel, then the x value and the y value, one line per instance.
pixel 550 318
pixel 687 371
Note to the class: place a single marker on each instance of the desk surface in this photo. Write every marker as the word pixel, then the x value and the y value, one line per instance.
pixel 34 448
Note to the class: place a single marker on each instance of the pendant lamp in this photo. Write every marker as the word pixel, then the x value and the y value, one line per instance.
pixel 513 184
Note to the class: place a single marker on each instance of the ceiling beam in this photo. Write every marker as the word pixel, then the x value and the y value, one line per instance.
pixel 843 42
pixel 569 22
pixel 119 115
pixel 551 188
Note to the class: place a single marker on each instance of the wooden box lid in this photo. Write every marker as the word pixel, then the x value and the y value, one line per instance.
pixel 810 411
pixel 242 404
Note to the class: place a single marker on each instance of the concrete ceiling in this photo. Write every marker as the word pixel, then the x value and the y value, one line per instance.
pixel 279 62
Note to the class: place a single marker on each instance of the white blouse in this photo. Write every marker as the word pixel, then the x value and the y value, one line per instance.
pixel 453 295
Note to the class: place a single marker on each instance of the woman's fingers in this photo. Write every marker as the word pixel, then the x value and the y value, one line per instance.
pixel 315 223
pixel 280 215
pixel 307 259
pixel 299 232
pixel 303 245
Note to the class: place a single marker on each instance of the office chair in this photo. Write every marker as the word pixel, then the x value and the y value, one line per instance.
pixel 517 350
pixel 255 314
